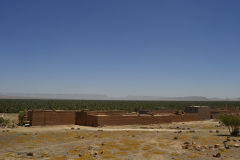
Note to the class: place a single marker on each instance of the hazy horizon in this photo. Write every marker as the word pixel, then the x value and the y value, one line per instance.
pixel 92 96
pixel 121 48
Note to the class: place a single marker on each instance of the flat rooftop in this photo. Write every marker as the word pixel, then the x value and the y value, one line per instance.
pixel 141 115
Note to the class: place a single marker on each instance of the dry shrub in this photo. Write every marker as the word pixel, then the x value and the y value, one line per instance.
pixel 232 123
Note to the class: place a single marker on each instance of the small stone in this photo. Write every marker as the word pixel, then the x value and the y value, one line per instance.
pixel 80 137
pixel 29 154
pixel 21 153
pixel 198 148
pixel 72 128
pixel 236 145
pixel 205 147
pixel 217 155
pixel 222 149
pixel 175 138
pixel 211 148
pixel 217 131
pixel 90 148
pixel 216 145
pixel 225 145
pixel 79 155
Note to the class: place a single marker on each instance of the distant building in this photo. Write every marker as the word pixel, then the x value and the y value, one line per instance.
pixel 203 111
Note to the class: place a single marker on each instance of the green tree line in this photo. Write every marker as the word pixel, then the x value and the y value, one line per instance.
pixel 16 105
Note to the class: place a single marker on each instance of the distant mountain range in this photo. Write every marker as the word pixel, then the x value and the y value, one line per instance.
pixel 104 97
pixel 54 96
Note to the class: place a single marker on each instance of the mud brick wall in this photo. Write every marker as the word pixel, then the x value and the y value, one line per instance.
pixel 216 113
pixel 120 120
pixel 185 117
pixel 112 112
pixel 85 119
pixel 81 118
pixel 191 110
pixel 161 111
pixel 59 117
pixel 92 120
pixel 156 112
pixel 36 118
pixel 144 120
pixel 204 113
pixel 41 117
pixel 97 118
pixel 29 116
pixel 89 118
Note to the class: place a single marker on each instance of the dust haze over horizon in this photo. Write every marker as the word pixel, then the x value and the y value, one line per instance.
pixel 121 48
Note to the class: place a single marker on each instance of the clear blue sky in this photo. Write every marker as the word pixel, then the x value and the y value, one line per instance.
pixel 120 48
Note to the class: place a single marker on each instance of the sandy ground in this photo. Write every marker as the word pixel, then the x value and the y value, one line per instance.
pixel 156 142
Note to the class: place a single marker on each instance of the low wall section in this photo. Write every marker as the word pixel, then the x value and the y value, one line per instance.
pixel 144 120
pixel 215 114
pixel 204 113
pixel 45 117
pixel 154 112
pixel 90 118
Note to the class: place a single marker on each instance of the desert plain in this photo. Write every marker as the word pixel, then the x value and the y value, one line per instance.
pixel 196 140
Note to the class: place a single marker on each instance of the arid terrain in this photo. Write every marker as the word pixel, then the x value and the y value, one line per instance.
pixel 176 141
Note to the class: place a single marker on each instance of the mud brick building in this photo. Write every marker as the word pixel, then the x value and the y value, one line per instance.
pixel 118 117
pixel 205 112
pixel 202 111
pixel 101 118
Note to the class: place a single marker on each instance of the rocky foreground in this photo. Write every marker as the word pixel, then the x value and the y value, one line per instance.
pixel 203 140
